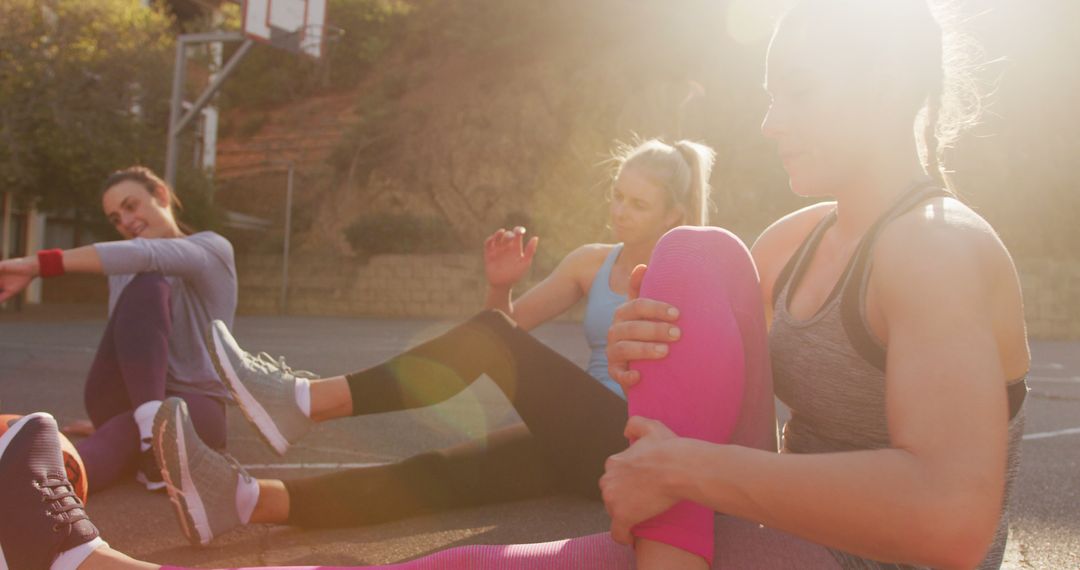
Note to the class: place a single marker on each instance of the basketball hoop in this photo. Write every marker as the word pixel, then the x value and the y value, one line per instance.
pixel 297 26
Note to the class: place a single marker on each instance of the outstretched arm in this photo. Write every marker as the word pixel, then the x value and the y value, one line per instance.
pixel 16 274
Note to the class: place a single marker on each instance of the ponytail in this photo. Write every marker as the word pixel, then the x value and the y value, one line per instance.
pixel 932 145
pixel 699 158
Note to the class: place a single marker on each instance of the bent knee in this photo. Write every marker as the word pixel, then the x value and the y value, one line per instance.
pixel 144 289
pixel 712 237
pixel 149 283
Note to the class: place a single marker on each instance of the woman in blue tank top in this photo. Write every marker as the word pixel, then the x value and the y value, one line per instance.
pixel 573 419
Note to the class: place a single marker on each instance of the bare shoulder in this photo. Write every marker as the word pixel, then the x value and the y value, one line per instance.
pixel 778 242
pixel 588 254
pixel 948 231
pixel 582 263
pixel 946 259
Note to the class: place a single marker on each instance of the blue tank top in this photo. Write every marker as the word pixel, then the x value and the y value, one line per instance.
pixel 599 313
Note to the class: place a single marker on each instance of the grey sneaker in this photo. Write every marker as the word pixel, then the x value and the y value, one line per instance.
pixel 263 387
pixel 201 482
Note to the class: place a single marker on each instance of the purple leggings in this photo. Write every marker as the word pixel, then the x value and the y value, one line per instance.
pixel 130 369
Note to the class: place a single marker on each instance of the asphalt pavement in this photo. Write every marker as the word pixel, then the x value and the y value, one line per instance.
pixel 43 362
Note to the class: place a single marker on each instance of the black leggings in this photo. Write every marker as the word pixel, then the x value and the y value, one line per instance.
pixel 572 424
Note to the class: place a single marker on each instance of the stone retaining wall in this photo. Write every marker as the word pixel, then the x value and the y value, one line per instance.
pixel 386 286
pixel 1051 297
pixel 451 286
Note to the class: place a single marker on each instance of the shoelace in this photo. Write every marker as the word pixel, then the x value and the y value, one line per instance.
pixel 54 491
pixel 236 465
pixel 270 364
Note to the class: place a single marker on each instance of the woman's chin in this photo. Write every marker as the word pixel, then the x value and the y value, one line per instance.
pixel 801 186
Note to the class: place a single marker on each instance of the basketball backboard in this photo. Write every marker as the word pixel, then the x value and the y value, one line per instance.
pixel 293 25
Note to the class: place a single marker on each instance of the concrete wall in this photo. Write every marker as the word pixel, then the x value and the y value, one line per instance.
pixel 387 286
pixel 1051 297
pixel 452 286
pixel 449 286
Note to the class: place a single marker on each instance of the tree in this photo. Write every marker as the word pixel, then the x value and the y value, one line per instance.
pixel 84 90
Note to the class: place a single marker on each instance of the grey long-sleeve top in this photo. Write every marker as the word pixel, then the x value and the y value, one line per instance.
pixel 201 272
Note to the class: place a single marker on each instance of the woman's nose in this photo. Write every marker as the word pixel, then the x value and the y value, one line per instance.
pixel 772 125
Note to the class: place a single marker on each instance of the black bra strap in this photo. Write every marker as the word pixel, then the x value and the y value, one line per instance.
pixel 787 274
pixel 851 306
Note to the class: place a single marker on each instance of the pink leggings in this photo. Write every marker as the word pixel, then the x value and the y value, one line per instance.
pixel 740 545
pixel 697 391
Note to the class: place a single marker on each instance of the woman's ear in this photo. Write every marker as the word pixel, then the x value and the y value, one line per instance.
pixel 161 196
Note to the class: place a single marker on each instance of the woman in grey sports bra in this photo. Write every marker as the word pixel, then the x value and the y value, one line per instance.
pixel 897 335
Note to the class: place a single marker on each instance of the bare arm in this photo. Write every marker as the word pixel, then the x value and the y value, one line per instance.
pixel 558 291
pixel 507 257
pixel 943 476
pixel 83 259
pixel 16 274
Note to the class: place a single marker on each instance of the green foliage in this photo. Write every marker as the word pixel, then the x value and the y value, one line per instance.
pixel 401 233
pixel 367 142
pixel 270 77
pixel 84 90
pixel 196 191
pixel 508 25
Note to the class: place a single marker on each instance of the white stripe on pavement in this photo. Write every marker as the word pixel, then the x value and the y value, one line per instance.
pixel 1056 380
pixel 310 465
pixel 1048 434
pixel 1030 436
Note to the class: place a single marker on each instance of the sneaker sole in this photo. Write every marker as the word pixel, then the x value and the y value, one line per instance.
pixel 184 496
pixel 249 406
pixel 14 429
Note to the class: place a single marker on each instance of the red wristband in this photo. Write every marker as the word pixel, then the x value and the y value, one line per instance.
pixel 50 262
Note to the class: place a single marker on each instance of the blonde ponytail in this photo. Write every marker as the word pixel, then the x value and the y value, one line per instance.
pixel 699 158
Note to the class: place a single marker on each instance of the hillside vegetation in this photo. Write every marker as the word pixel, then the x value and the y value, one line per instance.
pixel 451 117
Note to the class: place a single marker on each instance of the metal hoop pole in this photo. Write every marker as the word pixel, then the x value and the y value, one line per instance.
pixel 178 122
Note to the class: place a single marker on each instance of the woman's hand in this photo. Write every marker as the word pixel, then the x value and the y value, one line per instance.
pixel 640 330
pixel 15 275
pixel 635 484
pixel 507 257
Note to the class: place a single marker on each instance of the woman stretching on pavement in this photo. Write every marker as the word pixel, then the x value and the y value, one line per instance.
pixel 573 419
pixel 698 390
pixel 166 285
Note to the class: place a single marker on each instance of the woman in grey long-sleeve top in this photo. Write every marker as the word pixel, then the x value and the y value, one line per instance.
pixel 165 287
